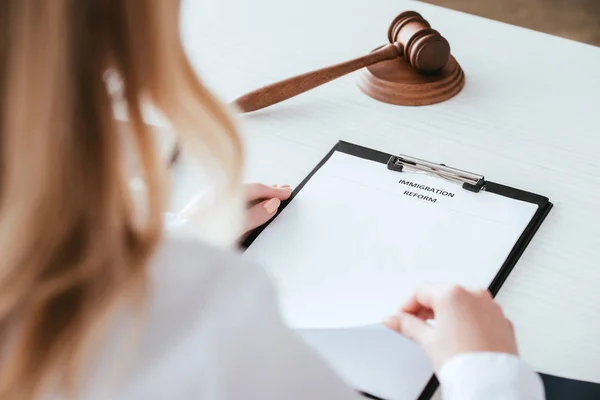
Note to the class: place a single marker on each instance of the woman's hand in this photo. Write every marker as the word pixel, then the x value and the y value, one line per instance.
pixel 263 202
pixel 464 321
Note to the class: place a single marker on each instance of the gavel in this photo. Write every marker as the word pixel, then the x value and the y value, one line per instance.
pixel 410 36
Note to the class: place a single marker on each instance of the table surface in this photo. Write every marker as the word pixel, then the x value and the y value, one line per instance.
pixel 529 117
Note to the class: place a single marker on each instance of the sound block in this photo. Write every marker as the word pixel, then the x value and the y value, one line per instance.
pixel 396 82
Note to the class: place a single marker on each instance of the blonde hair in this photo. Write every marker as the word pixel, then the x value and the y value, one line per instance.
pixel 71 245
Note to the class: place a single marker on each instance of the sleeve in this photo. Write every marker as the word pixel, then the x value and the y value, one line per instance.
pixel 490 376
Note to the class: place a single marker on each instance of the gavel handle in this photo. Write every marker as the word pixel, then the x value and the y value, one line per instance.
pixel 283 90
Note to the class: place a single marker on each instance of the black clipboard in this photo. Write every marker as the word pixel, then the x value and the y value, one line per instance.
pixel 559 388
pixel 469 181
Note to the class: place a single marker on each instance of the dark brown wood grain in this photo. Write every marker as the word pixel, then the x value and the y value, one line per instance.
pixel 424 50
pixel 396 82
pixel 283 90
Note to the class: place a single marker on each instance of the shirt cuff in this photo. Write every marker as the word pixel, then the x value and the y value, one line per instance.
pixel 490 376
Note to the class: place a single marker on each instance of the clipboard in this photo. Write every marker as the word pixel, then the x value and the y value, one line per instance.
pixel 463 179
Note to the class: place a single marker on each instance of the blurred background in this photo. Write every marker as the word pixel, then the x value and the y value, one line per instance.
pixel 572 19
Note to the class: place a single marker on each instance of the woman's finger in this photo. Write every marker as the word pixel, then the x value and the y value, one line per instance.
pixel 261 213
pixel 422 298
pixel 258 191
pixel 433 297
pixel 425 314
pixel 409 326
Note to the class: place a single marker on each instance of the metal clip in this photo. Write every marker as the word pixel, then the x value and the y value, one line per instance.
pixel 470 181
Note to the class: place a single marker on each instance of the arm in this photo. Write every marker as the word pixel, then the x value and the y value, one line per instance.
pixel 472 345
pixel 297 373
pixel 256 355
pixel 283 367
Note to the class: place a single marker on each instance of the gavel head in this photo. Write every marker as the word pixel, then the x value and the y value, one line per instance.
pixel 424 48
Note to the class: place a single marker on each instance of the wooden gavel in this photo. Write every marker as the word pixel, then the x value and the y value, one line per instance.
pixel 410 36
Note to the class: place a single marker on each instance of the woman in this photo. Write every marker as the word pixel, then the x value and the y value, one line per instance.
pixel 95 302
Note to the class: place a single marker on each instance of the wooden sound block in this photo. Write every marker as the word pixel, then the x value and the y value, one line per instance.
pixel 396 82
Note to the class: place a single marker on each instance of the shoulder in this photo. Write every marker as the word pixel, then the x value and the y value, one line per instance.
pixel 196 293
pixel 192 278
pixel 182 262
pixel 192 260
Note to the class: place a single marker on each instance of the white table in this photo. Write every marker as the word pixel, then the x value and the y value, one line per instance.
pixel 529 116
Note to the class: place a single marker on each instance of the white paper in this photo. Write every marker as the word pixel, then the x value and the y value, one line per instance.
pixel 374 359
pixel 355 243
pixel 352 246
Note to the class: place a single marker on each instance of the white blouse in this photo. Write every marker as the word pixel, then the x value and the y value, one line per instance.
pixel 212 330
